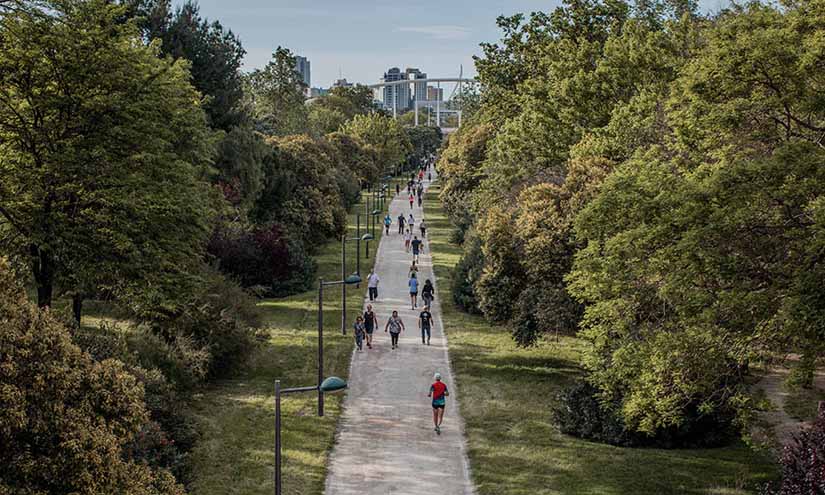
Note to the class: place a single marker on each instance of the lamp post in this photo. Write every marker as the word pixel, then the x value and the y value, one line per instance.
pixel 331 384
pixel 351 280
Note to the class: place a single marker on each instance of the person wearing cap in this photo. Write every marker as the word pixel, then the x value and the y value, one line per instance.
pixel 438 392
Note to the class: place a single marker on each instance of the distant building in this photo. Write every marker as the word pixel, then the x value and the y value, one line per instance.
pixel 302 67
pixel 342 83
pixel 435 94
pixel 396 97
pixel 316 92
pixel 419 88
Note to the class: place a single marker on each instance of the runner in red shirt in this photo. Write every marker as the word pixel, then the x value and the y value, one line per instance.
pixel 439 392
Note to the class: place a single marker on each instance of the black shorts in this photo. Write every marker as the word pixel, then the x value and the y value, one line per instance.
pixel 438 406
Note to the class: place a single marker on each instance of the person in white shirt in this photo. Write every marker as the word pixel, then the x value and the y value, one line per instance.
pixel 372 285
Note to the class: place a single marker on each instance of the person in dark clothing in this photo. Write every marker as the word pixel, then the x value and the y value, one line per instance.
pixel 427 293
pixel 425 323
pixel 370 323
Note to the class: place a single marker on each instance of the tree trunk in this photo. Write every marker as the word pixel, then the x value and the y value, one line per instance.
pixel 43 269
pixel 77 308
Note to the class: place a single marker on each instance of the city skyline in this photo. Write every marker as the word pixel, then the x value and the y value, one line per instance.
pixel 344 40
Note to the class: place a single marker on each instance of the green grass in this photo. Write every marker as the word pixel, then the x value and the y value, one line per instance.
pixel 514 447
pixel 803 403
pixel 236 417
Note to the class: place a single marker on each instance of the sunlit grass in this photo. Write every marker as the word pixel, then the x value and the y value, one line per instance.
pixel 236 417
pixel 514 447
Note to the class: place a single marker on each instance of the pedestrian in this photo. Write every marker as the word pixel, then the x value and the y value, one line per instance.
pixel 413 269
pixel 387 223
pixel 395 326
pixel 417 247
pixel 359 330
pixel 401 222
pixel 397 189
pixel 407 240
pixel 411 222
pixel 372 285
pixel 412 200
pixel 425 323
pixel 420 199
pixel 438 392
pixel 370 322
pixel 423 228
pixel 427 293
pixel 420 175
pixel 429 176
pixel 413 284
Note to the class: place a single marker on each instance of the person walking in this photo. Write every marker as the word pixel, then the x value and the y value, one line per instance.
pixel 423 228
pixel 425 324
pixel 372 285
pixel 413 285
pixel 395 326
pixel 407 240
pixel 359 331
pixel 411 222
pixel 397 189
pixel 401 222
pixel 427 293
pixel 387 223
pixel 370 322
pixel 439 394
pixel 420 200
pixel 412 201
pixel 417 247
pixel 413 269
pixel 429 176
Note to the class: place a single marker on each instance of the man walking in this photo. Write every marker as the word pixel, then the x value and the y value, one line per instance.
pixel 372 285
pixel 425 323
pixel 416 248
pixel 423 228
pixel 395 327
pixel 401 222
pixel 439 393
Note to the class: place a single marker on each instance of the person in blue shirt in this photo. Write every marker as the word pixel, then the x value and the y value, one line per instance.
pixel 413 283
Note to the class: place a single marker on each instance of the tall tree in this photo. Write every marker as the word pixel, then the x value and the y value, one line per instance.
pixel 101 147
pixel 384 135
pixel 276 93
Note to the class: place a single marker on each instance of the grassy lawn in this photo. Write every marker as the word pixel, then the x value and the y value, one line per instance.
pixel 235 451
pixel 514 448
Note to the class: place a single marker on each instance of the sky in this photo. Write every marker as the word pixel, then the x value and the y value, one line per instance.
pixel 361 39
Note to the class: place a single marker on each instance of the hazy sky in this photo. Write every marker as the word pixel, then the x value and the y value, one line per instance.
pixel 362 39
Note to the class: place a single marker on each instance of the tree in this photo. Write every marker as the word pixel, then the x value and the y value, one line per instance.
pixel 277 95
pixel 102 145
pixel 66 419
pixel 384 135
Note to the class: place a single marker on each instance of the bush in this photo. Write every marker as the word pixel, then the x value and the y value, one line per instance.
pixel 220 318
pixel 803 462
pixel 581 412
pixel 466 272
pixel 265 258
pixel 65 419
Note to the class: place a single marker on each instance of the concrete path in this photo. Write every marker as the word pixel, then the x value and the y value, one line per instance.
pixel 386 443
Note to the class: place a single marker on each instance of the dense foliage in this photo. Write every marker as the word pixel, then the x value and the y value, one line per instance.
pixel 66 420
pixel 803 462
pixel 652 180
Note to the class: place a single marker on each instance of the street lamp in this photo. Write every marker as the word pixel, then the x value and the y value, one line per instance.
pixel 331 384
pixel 353 279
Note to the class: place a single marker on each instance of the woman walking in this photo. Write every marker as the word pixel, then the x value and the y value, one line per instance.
pixel 407 240
pixel 412 200
pixel 413 284
pixel 359 331
pixel 395 327
pixel 370 322
pixel 427 293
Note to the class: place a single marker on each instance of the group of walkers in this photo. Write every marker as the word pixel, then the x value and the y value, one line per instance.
pixel 366 325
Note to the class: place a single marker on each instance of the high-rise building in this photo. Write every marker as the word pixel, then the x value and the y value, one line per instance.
pixel 396 97
pixel 435 94
pixel 302 67
pixel 419 88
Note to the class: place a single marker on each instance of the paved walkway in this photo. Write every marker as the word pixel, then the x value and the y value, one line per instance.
pixel 386 443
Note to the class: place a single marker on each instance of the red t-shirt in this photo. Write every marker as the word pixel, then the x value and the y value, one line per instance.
pixel 438 389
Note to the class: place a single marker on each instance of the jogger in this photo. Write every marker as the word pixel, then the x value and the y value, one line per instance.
pixel 439 393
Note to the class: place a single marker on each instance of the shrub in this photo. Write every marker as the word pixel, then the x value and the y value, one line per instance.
pixel 65 419
pixel 266 258
pixel 466 272
pixel 580 411
pixel 803 462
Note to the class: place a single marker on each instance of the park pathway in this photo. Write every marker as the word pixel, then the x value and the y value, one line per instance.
pixel 386 443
